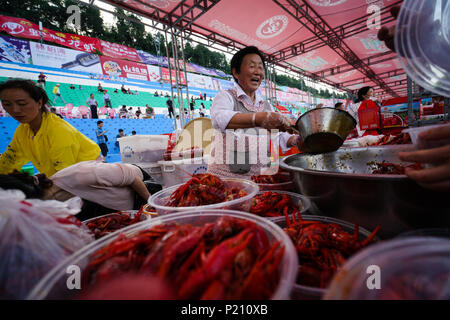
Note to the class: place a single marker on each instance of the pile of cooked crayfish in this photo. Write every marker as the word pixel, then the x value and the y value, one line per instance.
pixel 227 259
pixel 322 248
pixel 271 179
pixel 392 168
pixel 274 204
pixel 105 225
pixel 203 189
pixel 402 138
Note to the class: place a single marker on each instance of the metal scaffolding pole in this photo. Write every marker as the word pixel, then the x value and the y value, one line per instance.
pixel 191 112
pixel 178 78
pixel 170 77
pixel 271 95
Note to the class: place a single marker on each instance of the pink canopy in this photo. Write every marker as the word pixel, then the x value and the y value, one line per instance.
pixel 334 41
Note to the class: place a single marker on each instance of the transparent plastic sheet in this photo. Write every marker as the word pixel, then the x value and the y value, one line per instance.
pixel 35 235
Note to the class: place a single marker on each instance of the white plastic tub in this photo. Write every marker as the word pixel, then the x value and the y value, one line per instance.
pixel 143 148
pixel 180 171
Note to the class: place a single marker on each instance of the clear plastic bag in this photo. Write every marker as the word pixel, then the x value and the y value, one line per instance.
pixel 35 235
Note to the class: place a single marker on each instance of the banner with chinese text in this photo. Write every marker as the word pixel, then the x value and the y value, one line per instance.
pixel 166 76
pixel 123 68
pixel 118 51
pixel 18 27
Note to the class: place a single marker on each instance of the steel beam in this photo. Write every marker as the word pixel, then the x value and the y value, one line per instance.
pixel 311 20
pixel 343 31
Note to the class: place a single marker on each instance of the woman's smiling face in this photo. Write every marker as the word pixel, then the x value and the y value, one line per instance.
pixel 251 73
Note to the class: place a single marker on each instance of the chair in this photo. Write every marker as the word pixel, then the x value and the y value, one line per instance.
pixel 111 113
pixel 75 114
pixel 67 111
pixel 84 111
pixel 102 111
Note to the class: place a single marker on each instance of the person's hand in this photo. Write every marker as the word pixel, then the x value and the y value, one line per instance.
pixel 297 141
pixel 272 120
pixel 388 34
pixel 437 177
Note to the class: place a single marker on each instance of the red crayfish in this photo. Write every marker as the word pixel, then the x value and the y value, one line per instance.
pixel 228 259
pixel 402 138
pixel 271 179
pixel 105 225
pixel 273 204
pixel 322 248
pixel 203 189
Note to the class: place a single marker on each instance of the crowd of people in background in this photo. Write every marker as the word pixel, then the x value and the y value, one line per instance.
pixel 107 110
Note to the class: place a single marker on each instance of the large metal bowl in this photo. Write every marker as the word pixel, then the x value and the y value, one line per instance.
pixel 340 185
pixel 325 129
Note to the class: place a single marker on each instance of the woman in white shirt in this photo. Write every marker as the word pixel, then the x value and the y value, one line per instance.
pixel 240 108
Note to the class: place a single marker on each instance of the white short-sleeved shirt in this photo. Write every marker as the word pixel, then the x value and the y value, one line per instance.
pixel 222 111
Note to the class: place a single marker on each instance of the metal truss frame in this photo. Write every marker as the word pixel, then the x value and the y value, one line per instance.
pixel 310 19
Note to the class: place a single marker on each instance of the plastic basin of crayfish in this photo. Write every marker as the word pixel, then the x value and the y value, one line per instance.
pixel 159 199
pixel 302 292
pixel 54 284
pixel 301 201
pixel 282 186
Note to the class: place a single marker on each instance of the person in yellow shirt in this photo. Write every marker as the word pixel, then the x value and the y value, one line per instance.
pixel 43 138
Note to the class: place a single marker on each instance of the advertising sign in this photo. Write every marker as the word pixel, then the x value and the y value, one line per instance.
pixel 123 68
pixel 166 76
pixel 154 73
pixel 22 28
pixel 148 58
pixel 397 115
pixel 15 50
pixel 119 51
pixel 64 58
pixel 199 81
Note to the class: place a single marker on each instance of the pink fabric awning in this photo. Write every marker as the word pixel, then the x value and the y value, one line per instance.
pixel 269 25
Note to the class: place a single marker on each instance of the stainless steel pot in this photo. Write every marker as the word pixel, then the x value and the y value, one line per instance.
pixel 340 185
pixel 325 129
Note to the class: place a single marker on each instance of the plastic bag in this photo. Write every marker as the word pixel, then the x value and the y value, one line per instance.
pixel 35 236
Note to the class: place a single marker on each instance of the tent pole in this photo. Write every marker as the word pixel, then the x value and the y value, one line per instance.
pixel 170 77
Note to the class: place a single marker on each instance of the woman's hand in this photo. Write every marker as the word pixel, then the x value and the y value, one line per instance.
pixel 438 177
pixel 297 141
pixel 272 120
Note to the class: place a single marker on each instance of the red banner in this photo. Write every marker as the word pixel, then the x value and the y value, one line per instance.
pixel 25 29
pixel 166 76
pixel 122 68
pixel 119 51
